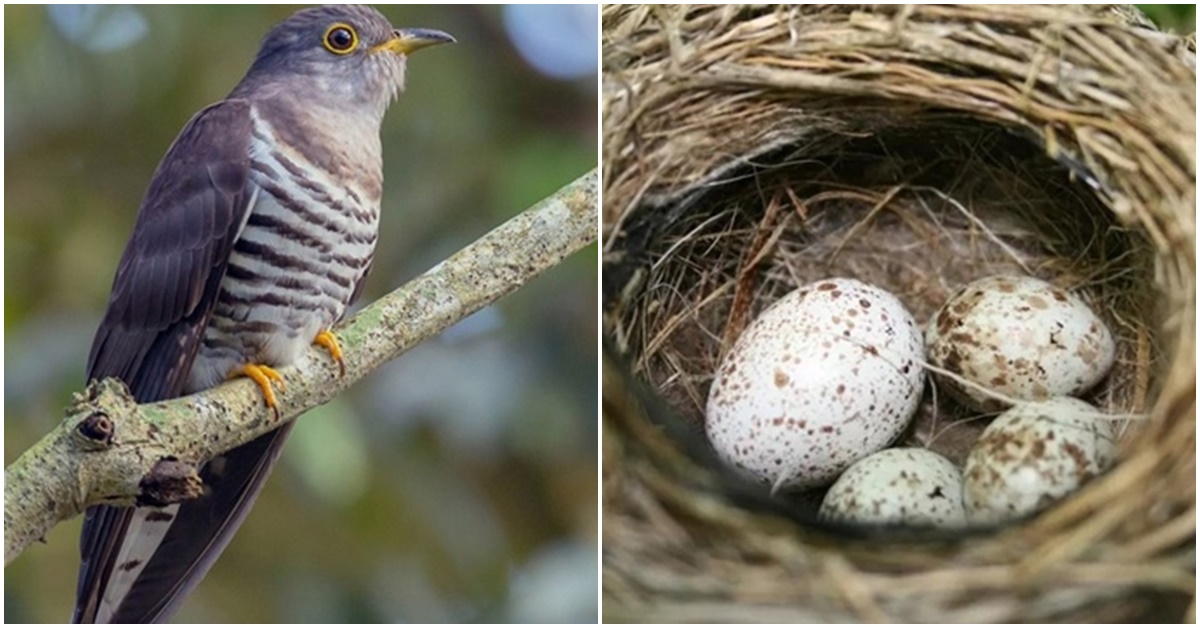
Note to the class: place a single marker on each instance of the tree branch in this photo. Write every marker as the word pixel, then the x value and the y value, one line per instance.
pixel 111 450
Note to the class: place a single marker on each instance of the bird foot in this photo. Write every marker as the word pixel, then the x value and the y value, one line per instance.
pixel 329 341
pixel 262 375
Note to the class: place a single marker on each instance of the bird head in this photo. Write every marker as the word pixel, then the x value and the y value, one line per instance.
pixel 340 55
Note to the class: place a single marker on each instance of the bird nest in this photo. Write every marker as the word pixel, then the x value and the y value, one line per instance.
pixel 750 150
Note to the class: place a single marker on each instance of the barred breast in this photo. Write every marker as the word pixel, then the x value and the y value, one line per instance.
pixel 306 246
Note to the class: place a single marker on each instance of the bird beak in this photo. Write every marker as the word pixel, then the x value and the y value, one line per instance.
pixel 408 40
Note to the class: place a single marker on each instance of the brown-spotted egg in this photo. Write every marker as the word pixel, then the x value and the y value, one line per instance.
pixel 825 376
pixel 1033 455
pixel 1020 337
pixel 909 486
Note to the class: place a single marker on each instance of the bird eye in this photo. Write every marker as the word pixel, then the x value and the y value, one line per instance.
pixel 340 39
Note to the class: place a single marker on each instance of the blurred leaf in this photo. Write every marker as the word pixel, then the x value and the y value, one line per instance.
pixel 328 451
pixel 1178 17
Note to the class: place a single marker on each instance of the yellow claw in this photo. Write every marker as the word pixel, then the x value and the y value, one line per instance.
pixel 262 375
pixel 329 341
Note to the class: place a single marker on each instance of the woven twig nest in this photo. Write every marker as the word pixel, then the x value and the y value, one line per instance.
pixel 749 150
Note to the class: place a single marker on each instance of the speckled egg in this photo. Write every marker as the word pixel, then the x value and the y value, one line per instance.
pixel 909 486
pixel 1033 455
pixel 825 376
pixel 1020 337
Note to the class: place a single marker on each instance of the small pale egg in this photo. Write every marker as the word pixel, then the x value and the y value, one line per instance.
pixel 1020 337
pixel 825 376
pixel 1033 455
pixel 908 486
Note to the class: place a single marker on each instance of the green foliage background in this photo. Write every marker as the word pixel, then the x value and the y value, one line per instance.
pixel 1180 18
pixel 457 484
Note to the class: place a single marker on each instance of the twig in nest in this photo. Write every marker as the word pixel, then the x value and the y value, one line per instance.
pixel 769 230
pixel 875 209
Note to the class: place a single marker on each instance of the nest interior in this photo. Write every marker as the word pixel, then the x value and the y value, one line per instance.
pixel 920 210
pixel 749 151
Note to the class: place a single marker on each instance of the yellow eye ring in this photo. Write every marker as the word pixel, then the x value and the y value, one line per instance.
pixel 340 39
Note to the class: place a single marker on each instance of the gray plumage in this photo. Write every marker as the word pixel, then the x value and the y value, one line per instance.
pixel 256 233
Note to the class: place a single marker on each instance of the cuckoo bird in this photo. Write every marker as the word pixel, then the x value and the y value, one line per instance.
pixel 255 235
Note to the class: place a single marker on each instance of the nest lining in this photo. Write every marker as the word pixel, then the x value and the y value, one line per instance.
pixel 919 211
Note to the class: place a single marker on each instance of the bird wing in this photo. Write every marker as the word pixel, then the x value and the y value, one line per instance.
pixel 139 563
pixel 168 277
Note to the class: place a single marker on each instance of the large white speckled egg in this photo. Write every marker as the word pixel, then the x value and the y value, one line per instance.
pixel 1033 455
pixel 909 486
pixel 1020 337
pixel 825 376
